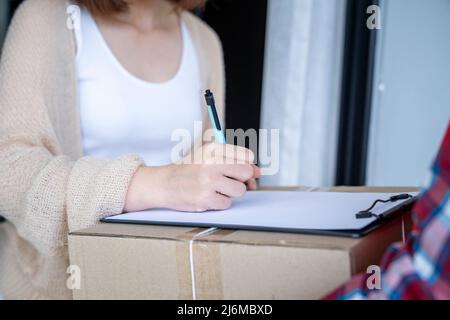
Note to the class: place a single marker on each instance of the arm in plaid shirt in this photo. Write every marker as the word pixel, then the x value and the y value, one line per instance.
pixel 420 268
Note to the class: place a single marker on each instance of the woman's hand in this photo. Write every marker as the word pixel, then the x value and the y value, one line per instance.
pixel 225 172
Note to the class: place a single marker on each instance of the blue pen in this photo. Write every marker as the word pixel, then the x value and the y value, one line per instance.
pixel 215 120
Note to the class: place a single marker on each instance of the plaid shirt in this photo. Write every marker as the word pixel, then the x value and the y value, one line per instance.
pixel 420 268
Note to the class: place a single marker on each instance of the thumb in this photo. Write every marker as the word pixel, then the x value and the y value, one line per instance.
pixel 256 171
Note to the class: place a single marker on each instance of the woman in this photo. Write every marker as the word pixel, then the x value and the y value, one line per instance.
pixel 86 116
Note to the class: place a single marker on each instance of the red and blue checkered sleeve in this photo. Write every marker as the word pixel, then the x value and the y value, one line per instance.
pixel 419 268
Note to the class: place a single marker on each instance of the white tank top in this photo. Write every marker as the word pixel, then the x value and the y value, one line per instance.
pixel 122 114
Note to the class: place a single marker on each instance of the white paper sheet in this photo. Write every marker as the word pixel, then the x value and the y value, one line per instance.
pixel 277 210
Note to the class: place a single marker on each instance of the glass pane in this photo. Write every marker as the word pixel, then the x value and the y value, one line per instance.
pixel 4 15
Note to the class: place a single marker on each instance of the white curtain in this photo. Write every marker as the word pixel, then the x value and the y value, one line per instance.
pixel 301 91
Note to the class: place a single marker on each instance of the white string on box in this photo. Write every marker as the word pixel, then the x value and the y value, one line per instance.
pixel 191 258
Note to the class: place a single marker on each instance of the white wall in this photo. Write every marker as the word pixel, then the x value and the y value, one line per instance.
pixel 411 105
pixel 302 87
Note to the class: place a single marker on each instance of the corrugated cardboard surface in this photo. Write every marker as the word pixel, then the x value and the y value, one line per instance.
pixel 267 272
pixel 119 261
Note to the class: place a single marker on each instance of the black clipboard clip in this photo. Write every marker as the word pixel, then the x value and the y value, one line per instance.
pixel 365 214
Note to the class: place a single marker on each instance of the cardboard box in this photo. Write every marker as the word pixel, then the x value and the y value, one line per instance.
pixel 119 261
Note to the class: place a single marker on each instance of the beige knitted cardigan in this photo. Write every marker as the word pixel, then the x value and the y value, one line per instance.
pixel 47 187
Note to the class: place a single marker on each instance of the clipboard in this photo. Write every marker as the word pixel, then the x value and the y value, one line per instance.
pixel 346 206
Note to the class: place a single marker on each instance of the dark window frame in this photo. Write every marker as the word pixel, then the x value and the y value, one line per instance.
pixel 356 95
